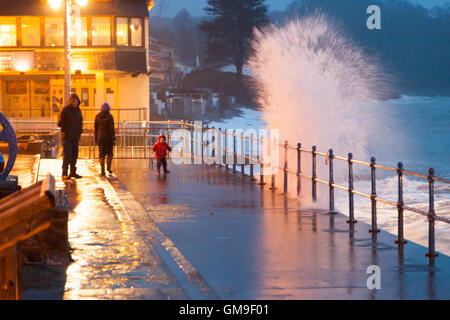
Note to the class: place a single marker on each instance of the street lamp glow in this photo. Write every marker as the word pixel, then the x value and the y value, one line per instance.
pixel 55 4
pixel 82 3
pixel 22 66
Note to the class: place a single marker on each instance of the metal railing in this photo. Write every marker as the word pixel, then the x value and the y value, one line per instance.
pixel 243 158
pixel 119 114
pixel 134 139
pixel 374 198
pixel 212 146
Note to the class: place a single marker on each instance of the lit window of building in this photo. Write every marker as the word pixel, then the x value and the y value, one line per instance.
pixel 78 32
pixel 54 32
pixel 101 31
pixel 31 31
pixel 136 32
pixel 122 31
pixel 109 59
pixel 8 33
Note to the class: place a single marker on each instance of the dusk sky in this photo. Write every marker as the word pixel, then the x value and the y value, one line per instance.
pixel 196 7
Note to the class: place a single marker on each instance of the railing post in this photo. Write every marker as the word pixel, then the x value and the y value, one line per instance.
pixel 261 163
pixel 219 148
pixel 242 154
pixel 234 151
pixel 192 142
pixel 213 151
pixel 373 197
pixel 299 168
pixel 250 158
pixel 400 240
pixel 331 180
pixel 225 159
pixel 169 137
pixel 431 218
pixel 145 143
pixel 285 184
pixel 183 144
pixel 272 179
pixel 351 205
pixel 202 143
pixel 314 174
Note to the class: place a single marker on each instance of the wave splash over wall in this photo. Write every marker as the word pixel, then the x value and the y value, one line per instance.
pixel 317 87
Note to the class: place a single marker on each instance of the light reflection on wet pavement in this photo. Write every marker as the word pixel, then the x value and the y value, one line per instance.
pixel 252 244
pixel 110 262
pixel 26 168
pixel 245 243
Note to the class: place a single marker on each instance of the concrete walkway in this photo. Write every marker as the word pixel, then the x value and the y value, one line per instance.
pixel 110 260
pixel 253 244
pixel 203 233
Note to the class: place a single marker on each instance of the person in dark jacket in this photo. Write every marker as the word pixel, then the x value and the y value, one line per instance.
pixel 71 123
pixel 105 137
pixel 161 148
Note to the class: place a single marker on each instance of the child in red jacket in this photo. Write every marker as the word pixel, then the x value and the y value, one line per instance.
pixel 160 148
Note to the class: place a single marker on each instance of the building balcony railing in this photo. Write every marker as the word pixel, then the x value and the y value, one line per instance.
pixel 101 59
pixel 27 114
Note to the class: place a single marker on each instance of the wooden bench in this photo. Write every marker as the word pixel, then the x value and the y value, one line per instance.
pixel 24 215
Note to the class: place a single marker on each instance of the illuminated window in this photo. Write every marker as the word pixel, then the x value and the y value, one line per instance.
pixel 8 35
pixel 78 31
pixel 122 31
pixel 101 31
pixel 136 32
pixel 31 32
pixel 54 32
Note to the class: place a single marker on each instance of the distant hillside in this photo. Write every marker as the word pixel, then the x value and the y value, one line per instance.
pixel 413 44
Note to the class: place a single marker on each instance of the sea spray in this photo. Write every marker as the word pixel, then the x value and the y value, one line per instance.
pixel 318 88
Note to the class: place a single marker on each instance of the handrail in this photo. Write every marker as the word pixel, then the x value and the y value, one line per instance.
pixel 218 145
pixel 401 207
pixel 431 178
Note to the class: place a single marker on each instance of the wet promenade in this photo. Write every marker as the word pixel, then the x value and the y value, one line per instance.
pixel 109 260
pixel 203 233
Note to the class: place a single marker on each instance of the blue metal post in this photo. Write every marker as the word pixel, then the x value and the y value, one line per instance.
pixel 202 142
pixel 374 229
pixel 331 180
pixel 219 156
pixel 400 240
pixel 350 190
pixel 285 188
pixel 431 218
pixel 213 147
pixel 225 156
pixel 243 154
pixel 234 151
pixel 314 174
pixel 299 168
pixel 192 142
pixel 250 156
pixel 272 183
pixel 261 162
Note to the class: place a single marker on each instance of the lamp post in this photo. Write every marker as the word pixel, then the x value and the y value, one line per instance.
pixel 56 4
pixel 67 51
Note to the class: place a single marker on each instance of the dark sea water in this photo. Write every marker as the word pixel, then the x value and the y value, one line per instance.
pixel 424 125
